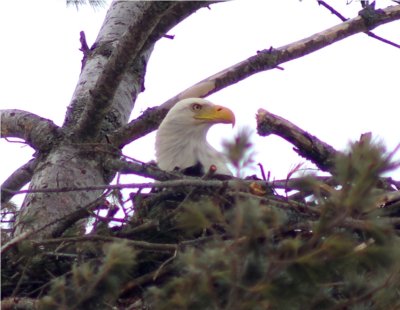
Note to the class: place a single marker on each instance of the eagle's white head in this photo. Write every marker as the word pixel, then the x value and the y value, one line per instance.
pixel 181 138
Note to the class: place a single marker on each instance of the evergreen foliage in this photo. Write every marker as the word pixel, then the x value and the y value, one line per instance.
pixel 348 258
pixel 92 285
pixel 310 242
pixel 334 244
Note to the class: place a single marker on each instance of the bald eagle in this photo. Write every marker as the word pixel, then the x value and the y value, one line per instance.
pixel 181 138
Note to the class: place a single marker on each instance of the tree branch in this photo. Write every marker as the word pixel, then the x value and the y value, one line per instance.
pixel 104 111
pixel 332 10
pixel 143 245
pixel 154 20
pixel 129 46
pixel 142 169
pixel 63 223
pixel 23 303
pixel 264 60
pixel 17 180
pixel 84 48
pixel 187 181
pixel 141 281
pixel 37 131
pixel 342 18
pixel 307 145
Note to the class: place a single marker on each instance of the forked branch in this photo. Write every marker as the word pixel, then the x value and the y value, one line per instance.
pixel 365 14
pixel 264 60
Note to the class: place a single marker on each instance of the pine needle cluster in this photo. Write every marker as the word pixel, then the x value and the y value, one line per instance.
pixel 93 284
pixel 333 244
pixel 346 256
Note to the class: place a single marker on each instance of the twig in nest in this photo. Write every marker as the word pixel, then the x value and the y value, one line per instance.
pixel 163 265
pixel 143 280
pixel 264 177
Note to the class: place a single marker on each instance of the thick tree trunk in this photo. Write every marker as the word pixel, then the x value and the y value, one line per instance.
pixel 69 165
pixel 112 76
pixel 65 166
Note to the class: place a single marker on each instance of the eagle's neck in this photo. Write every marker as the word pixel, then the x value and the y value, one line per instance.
pixel 183 147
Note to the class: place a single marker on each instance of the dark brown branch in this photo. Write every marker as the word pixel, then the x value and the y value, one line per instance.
pixel 307 145
pixel 142 169
pixel 147 278
pixel 129 232
pixel 369 33
pixel 69 220
pixel 367 296
pixel 64 223
pixel 187 181
pixel 264 60
pixel 23 303
pixel 37 131
pixel 143 245
pixel 190 181
pixel 17 180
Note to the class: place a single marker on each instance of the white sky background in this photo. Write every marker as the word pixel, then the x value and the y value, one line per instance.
pixel 336 93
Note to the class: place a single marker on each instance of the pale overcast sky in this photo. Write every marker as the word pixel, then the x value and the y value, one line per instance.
pixel 337 93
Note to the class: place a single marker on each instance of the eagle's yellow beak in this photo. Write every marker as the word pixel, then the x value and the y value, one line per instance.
pixel 215 114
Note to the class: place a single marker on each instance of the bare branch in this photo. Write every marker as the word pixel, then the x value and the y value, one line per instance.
pixel 307 145
pixel 17 180
pixel 264 60
pixel 70 219
pixel 141 281
pixel 142 169
pixel 143 245
pixel 369 33
pixel 37 131
pixel 154 20
pixel 111 111
pixel 63 223
pixel 23 303
pixel 332 10
pixel 14 241
pixel 190 181
pixel 187 181
pixel 373 35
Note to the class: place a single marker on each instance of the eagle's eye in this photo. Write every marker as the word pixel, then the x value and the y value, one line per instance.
pixel 196 107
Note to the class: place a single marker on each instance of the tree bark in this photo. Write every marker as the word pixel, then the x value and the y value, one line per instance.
pixel 266 59
pixel 111 78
